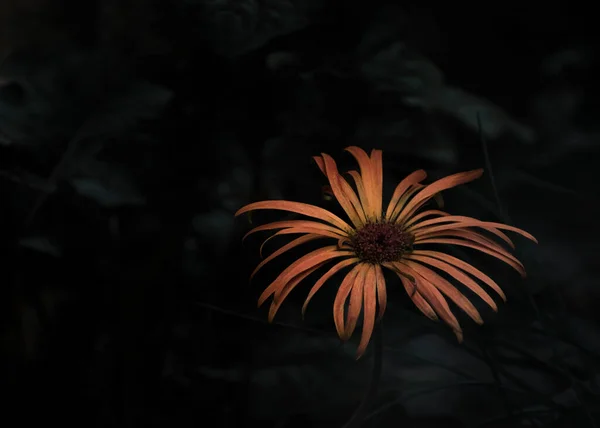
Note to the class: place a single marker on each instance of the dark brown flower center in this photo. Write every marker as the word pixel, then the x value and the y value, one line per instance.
pixel 381 242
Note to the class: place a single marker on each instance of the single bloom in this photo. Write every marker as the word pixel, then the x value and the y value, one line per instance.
pixel 395 238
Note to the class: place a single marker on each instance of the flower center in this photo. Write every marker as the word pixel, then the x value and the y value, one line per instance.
pixel 381 242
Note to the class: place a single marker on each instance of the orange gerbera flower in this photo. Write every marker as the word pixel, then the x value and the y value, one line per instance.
pixel 393 239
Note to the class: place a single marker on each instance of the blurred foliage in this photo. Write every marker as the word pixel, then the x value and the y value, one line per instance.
pixel 131 131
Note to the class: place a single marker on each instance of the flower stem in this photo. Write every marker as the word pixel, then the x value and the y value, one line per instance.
pixel 359 414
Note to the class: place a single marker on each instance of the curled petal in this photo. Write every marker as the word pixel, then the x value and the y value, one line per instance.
pixel 447 289
pixel 369 182
pixel 511 229
pixel 287 289
pixel 301 230
pixel 456 274
pixel 358 181
pixel 403 201
pixel 417 298
pixel 402 187
pixel 471 235
pixel 342 191
pixel 516 265
pixel 279 233
pixel 300 224
pixel 335 269
pixel 434 298
pixel 465 267
pixel 436 187
pixel 369 310
pixel 298 208
pixel 437 230
pixel 323 233
pixel 419 216
pixel 302 264
pixel 356 303
pixel 487 225
pixel 313 231
pixel 341 297
pixel 298 241
pixel 381 291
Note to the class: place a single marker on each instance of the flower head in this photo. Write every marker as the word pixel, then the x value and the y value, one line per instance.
pixel 395 239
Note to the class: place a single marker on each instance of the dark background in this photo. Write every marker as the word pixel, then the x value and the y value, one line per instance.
pixel 131 131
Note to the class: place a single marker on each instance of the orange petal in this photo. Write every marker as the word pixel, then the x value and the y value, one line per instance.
pixel 471 235
pixel 343 192
pixel 287 247
pixel 436 187
pixel 299 230
pixel 447 289
pixel 509 261
pixel 418 299
pixel 487 225
pixel 336 268
pixel 381 291
pixel 402 187
pixel 297 224
pixel 464 266
pixel 319 161
pixel 456 274
pixel 369 309
pixel 341 297
pixel 377 171
pixel 298 208
pixel 403 201
pixel 512 229
pixel 279 233
pixel 434 298
pixel 368 179
pixel 276 303
pixel 358 181
pixel 483 224
pixel 302 264
pixel 355 304
pixel 419 216
pixel 468 234
pixel 420 230
pixel 356 201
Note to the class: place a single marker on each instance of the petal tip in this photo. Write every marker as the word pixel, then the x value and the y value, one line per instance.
pixel 319 161
pixel 420 174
